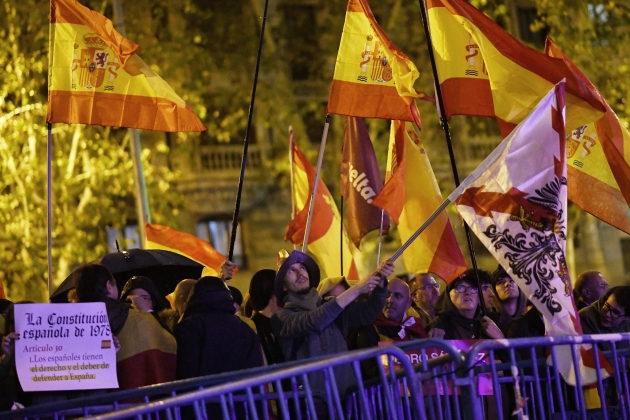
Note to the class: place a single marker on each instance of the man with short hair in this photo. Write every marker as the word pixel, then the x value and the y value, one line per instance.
pixel 589 286
pixel 393 324
pixel 308 326
pixel 609 314
pixel 424 294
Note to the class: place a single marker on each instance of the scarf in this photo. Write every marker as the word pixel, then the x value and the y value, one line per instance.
pixel 411 324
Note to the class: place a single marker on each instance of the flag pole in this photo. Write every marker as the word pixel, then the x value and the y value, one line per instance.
pixel 447 134
pixel 241 179
pixel 341 236
pixel 380 239
pixel 49 210
pixel 291 163
pixel 320 159
pixel 142 198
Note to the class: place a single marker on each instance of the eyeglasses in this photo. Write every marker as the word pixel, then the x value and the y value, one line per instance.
pixel 466 289
pixel 428 287
pixel 615 313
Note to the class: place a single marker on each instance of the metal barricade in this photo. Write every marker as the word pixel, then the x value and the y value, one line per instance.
pixel 435 376
pixel 255 396
pixel 520 377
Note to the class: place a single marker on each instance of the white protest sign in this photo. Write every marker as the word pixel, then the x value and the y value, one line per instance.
pixel 64 346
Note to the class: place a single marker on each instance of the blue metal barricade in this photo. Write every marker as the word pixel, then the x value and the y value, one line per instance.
pixel 250 398
pixel 521 378
pixel 435 377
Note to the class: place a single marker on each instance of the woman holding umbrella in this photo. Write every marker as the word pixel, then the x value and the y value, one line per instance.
pixel 148 352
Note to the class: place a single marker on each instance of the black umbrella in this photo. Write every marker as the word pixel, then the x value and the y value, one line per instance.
pixel 165 268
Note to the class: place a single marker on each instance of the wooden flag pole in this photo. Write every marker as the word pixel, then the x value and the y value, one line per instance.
pixel 241 179
pixel 380 239
pixel 142 198
pixel 49 209
pixel 447 134
pixel 320 159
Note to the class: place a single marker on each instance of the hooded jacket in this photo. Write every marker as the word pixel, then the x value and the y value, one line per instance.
pixel 455 325
pixel 591 320
pixel 308 326
pixel 211 339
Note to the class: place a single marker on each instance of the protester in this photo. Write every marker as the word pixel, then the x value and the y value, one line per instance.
pixel 458 312
pixel 487 290
pixel 425 292
pixel 265 304
pixel 332 286
pixel 309 326
pixel 589 286
pixel 508 301
pixel 609 314
pixel 144 296
pixel 181 294
pixel 10 389
pixel 210 338
pixel 148 351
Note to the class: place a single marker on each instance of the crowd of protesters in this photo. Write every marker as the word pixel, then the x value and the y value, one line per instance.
pixel 207 327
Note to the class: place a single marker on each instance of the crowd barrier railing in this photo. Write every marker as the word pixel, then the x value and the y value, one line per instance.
pixel 523 382
pixel 252 398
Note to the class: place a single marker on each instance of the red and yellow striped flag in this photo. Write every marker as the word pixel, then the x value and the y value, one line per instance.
pixel 484 71
pixel 410 196
pixel 373 78
pixel 325 234
pixel 96 77
pixel 598 161
pixel 163 237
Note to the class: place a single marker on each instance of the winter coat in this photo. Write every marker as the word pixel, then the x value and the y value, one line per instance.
pixel 308 326
pixel 455 325
pixel 211 339
pixel 590 318
pixel 270 345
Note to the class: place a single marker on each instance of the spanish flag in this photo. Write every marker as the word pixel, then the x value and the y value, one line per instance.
pixel 373 78
pixel 598 157
pixel 163 237
pixel 410 196
pixel 486 72
pixel 95 77
pixel 325 234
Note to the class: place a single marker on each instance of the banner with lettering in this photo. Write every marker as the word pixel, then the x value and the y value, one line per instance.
pixel 484 384
pixel 64 346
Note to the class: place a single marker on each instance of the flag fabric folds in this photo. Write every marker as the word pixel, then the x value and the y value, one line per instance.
pixel 516 203
pixel 163 237
pixel 484 71
pixel 325 234
pixel 410 196
pixel 96 77
pixel 372 78
pixel 360 181
pixel 598 157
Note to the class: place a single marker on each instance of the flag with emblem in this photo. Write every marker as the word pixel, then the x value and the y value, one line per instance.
pixel 484 71
pixel 411 194
pixel 516 203
pixel 96 77
pixel 163 237
pixel 360 181
pixel 372 78
pixel 325 232
pixel 598 157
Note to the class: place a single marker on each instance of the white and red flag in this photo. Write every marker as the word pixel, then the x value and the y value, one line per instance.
pixel 516 204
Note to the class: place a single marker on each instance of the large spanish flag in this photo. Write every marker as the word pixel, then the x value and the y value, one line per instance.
pixel 484 71
pixel 410 196
pixel 373 78
pixel 598 158
pixel 95 77
pixel 325 236
pixel 163 237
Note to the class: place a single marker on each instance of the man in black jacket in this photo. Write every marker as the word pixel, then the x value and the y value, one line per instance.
pixel 210 338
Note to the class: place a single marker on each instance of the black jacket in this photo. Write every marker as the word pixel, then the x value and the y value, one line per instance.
pixel 211 339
